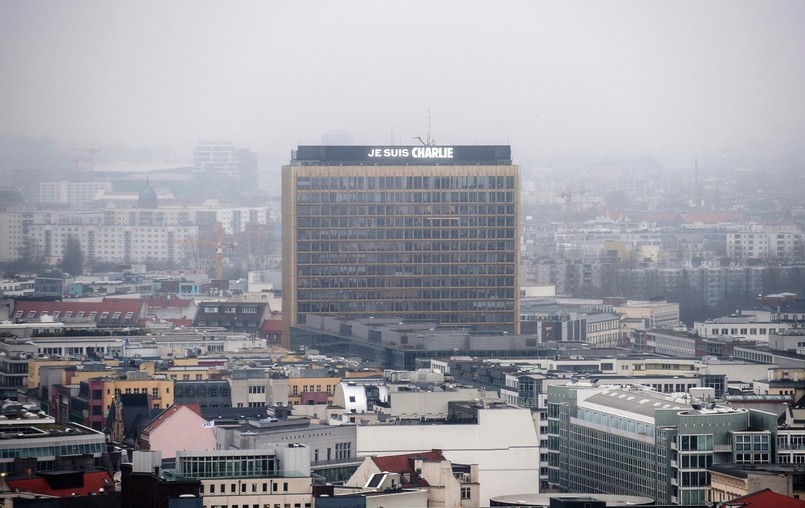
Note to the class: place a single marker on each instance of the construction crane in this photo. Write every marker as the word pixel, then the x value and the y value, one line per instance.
pixel 216 241
pixel 219 250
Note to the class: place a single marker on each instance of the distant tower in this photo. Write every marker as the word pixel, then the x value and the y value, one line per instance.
pixel 147 197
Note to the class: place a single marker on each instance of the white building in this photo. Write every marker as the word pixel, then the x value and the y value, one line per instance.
pixel 120 244
pixel 503 443
pixel 767 242
pixel 74 194
pixel 739 327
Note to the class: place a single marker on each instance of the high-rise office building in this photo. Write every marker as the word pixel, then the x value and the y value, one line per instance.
pixel 418 233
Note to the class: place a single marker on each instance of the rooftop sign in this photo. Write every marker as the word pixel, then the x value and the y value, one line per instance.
pixel 403 155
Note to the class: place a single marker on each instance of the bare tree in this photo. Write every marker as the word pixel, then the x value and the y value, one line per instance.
pixel 73 260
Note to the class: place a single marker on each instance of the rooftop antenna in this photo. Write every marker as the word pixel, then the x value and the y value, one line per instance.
pixel 427 141
pixel 430 140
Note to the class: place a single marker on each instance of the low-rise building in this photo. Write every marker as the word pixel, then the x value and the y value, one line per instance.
pixel 447 484
pixel 277 474
pixel 178 428
pixel 730 481
pixel 500 440
pixel 38 437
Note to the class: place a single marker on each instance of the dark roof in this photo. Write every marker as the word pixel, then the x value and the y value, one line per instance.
pixel 64 483
pixel 164 302
pixel 744 470
pixel 105 311
pixel 404 464
pixel 793 306
pixel 135 412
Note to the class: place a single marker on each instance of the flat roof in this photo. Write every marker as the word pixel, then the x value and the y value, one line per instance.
pixel 544 500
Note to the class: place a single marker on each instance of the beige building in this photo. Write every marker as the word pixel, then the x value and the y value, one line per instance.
pixel 421 233
pixel 649 314
pixel 160 390
pixel 730 481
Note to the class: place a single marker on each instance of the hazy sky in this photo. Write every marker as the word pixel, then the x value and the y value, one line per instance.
pixel 551 78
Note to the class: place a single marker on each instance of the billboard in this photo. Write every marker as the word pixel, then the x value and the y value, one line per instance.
pixel 404 155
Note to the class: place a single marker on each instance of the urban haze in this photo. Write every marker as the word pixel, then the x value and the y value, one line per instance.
pixel 437 254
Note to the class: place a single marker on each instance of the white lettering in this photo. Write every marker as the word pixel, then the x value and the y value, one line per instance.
pixel 432 152
pixel 395 152
pixel 417 152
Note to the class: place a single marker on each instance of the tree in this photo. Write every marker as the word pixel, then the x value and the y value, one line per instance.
pixel 73 260
pixel 32 257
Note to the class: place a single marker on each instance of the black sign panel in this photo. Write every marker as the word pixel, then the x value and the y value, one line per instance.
pixel 403 155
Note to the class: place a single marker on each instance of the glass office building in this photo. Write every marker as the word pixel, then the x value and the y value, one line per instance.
pixel 633 441
pixel 421 233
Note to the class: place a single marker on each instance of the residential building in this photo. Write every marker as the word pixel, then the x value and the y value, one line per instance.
pixel 107 313
pixel 384 489
pixel 118 244
pixel 72 194
pixel 447 484
pixel 232 316
pixel 178 428
pixel 423 233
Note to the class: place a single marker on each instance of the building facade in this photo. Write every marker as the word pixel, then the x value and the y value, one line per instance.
pixel 416 233
pixel 614 439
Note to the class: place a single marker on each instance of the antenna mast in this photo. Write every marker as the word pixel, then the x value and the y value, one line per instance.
pixel 427 141
pixel 430 141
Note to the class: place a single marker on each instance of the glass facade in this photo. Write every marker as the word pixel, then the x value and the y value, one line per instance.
pixel 418 243
pixel 606 446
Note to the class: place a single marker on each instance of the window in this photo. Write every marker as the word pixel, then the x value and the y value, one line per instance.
pixel 68 314
pixel 128 316
pixel 92 314
pixel 104 315
pixel 466 492
pixel 115 316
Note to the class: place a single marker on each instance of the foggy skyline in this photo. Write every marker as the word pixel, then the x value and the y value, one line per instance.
pixel 553 79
